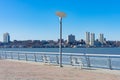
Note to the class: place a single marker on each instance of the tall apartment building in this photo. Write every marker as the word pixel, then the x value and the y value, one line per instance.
pixel 71 38
pixel 6 38
pixel 87 38
pixel 101 38
pixel 92 39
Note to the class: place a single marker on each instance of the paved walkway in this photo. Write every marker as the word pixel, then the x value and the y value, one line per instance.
pixel 19 70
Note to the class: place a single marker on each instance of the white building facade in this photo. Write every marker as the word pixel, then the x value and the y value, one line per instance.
pixel 87 38
pixel 101 38
pixel 6 38
pixel 92 39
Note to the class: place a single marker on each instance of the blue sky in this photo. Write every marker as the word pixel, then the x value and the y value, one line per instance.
pixel 36 19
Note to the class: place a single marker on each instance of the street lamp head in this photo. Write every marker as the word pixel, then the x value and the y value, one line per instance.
pixel 60 14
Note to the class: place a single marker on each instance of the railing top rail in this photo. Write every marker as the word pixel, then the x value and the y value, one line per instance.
pixel 57 53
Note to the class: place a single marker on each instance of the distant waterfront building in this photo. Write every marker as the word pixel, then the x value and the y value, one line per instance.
pixel 6 38
pixel 71 38
pixel 87 38
pixel 101 38
pixel 92 39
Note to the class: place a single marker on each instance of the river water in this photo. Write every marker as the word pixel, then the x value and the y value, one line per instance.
pixel 69 50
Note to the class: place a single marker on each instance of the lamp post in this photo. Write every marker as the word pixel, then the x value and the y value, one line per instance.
pixel 60 15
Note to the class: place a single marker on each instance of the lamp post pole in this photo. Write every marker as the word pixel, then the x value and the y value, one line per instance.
pixel 60 42
pixel 60 15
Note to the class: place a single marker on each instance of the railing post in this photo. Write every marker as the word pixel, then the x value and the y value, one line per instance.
pixel 26 56
pixel 18 56
pixel 35 57
pixel 71 60
pixel 109 63
pixel 57 59
pixel 5 55
pixel 42 58
pixel 88 61
pixel 11 55
pixel 0 55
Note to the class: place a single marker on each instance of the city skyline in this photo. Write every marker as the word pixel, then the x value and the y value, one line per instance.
pixel 36 19
pixel 70 42
pixel 89 36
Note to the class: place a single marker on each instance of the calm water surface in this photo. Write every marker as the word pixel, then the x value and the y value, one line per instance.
pixel 70 50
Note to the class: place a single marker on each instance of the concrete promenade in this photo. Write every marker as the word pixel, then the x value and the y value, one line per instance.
pixel 22 70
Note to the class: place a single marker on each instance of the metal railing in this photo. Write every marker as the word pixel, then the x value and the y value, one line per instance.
pixel 74 59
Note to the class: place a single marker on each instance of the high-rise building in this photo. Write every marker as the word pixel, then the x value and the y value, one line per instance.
pixel 101 38
pixel 6 38
pixel 87 38
pixel 92 39
pixel 71 38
